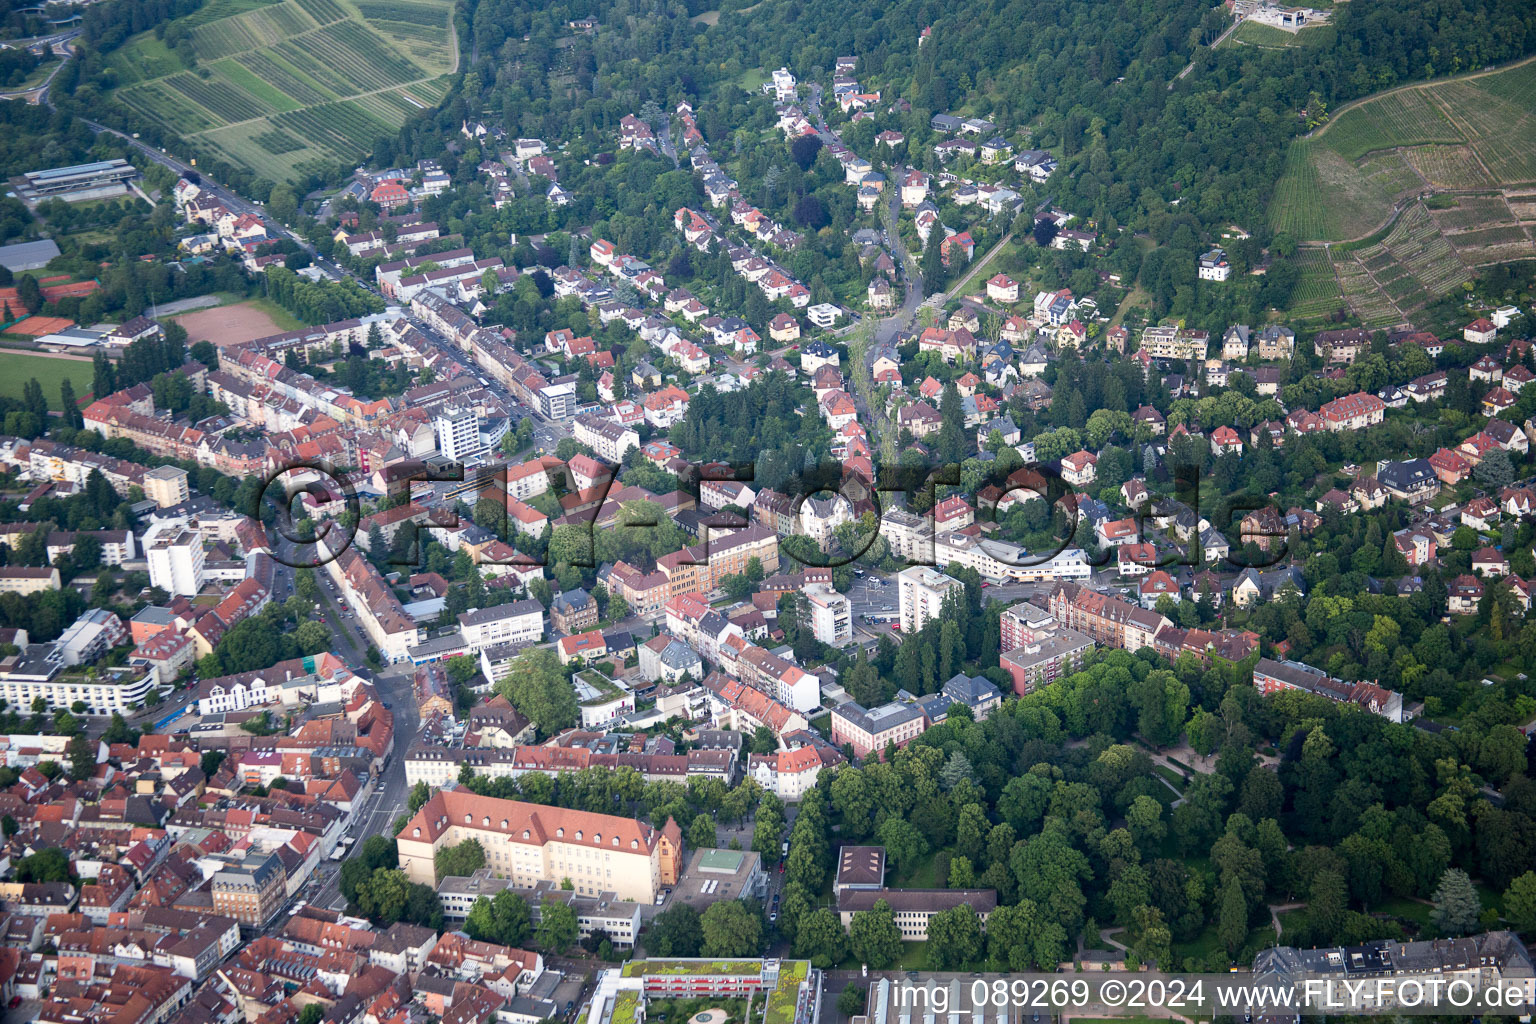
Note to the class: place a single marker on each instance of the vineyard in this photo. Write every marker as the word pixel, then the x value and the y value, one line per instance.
pixel 1452 167
pixel 1405 118
pixel 250 31
pixel 1317 292
pixel 295 87
pixel 1466 140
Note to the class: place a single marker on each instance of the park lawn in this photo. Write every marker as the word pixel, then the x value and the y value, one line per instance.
pixel 1291 920
pixel 922 874
pixel 1401 906
pixel 1179 780
pixel 1203 946
pixel 16 368
pixel 752 79
pixel 914 956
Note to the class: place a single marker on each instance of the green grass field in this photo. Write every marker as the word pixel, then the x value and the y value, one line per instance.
pixel 16 368
pixel 1268 36
pixel 292 87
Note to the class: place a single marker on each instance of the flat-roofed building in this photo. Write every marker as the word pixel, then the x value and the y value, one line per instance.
pixel 79 181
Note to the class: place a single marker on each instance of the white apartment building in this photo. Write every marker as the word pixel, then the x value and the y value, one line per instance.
pixel 922 590
pixel 520 622
pixel 831 614
pixel 783 85
pixel 1001 561
pixel 610 440
pixel 176 562
pixel 458 433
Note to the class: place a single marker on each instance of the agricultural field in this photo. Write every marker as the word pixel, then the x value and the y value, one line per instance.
pixel 1317 292
pixel 1362 293
pixel 293 87
pixel 1470 133
pixel 1323 197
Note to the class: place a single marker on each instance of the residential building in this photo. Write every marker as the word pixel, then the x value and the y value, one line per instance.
pixel 1042 661
pixel 252 892
pixel 893 724
pixel 1271 677
pixel 922 591
pixel 831 614
pixel 176 562
pixel 166 485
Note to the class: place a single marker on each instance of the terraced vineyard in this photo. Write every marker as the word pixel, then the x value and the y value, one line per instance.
pixel 293 87
pixel 1317 292
pixel 1368 301
pixel 1470 136
pixel 1468 133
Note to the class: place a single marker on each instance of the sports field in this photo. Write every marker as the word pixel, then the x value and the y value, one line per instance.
pixel 287 87
pixel 16 368
pixel 230 325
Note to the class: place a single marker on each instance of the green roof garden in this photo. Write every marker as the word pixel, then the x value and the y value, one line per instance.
pixel 626 1007
pixel 645 968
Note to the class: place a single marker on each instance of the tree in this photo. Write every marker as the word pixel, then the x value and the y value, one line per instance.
pixel 701 834
pixel 675 931
pixel 954 938
pixel 314 1013
pixel 1495 471
pixel 82 757
pixel 804 150
pixel 70 405
pixel 557 926
pixel 850 1002
pixel 419 795
pixel 730 930
pixel 504 919
pixel 1520 902
pixel 819 937
pixel 873 936
pixel 459 861
pixel 211 760
pixel 50 865
pixel 1457 905
pixel 537 687
pixel 1232 924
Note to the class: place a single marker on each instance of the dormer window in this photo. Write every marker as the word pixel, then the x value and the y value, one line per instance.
pixel 469 819
pixel 634 844
pixel 578 834
pixel 597 838
pixel 525 833
pixel 560 833
pixel 416 832
pixel 503 822
pixel 615 840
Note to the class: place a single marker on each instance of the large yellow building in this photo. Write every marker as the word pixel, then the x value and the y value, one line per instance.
pixel 532 843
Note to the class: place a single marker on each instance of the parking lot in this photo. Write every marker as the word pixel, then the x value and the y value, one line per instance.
pixel 870 595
